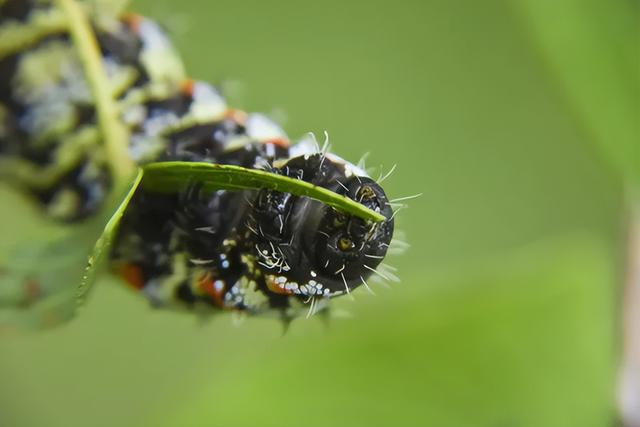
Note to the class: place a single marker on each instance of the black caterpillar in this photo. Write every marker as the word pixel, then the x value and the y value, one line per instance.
pixel 253 251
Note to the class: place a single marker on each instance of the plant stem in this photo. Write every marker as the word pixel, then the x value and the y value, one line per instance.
pixel 114 134
pixel 629 379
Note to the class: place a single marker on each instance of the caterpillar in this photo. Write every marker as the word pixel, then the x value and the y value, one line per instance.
pixel 256 252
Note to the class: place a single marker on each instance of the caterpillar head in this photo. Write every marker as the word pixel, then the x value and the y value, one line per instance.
pixel 307 248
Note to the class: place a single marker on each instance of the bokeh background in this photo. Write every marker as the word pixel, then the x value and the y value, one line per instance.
pixel 516 121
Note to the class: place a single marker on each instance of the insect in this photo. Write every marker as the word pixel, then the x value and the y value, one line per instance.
pixel 254 251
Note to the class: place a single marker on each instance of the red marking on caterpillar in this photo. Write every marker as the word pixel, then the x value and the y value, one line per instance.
pixel 187 87
pixel 237 116
pixel 133 20
pixel 278 142
pixel 131 274
pixel 213 288
pixel 275 287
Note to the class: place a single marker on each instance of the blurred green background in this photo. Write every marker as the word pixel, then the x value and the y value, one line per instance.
pixel 516 120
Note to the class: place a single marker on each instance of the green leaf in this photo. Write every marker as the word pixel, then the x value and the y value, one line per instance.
pixel 104 241
pixel 174 176
pixel 41 263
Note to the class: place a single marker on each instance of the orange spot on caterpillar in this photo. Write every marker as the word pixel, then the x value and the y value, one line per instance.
pixel 279 142
pixel 237 116
pixel 133 21
pixel 213 288
pixel 187 87
pixel 275 287
pixel 132 274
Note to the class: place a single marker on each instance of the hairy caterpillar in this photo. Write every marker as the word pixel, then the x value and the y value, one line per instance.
pixel 253 251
